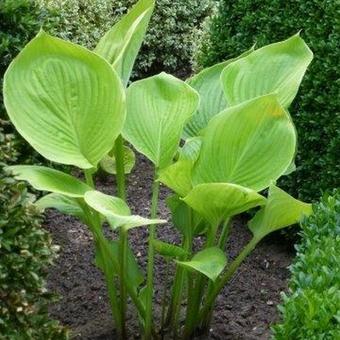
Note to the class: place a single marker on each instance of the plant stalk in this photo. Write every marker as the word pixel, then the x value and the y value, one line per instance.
pixel 204 313
pixel 123 271
pixel 224 233
pixel 151 260
pixel 120 170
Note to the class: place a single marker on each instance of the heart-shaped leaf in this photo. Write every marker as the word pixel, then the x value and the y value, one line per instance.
pixel 275 68
pixel 120 45
pixel 158 108
pixel 64 204
pixel 108 163
pixel 251 144
pixel 116 211
pixel 281 210
pixel 218 201
pixel 46 179
pixel 66 101
pixel 210 262
pixel 208 84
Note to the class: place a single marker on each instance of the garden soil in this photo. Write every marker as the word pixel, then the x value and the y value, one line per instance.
pixel 245 308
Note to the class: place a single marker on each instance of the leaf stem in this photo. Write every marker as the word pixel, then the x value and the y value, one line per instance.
pixel 224 233
pixel 120 170
pixel 204 313
pixel 151 259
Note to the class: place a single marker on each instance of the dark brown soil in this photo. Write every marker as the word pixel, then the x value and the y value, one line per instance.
pixel 245 309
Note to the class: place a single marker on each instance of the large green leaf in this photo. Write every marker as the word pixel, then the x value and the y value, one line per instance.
pixel 108 163
pixel 251 144
pixel 66 101
pixel 120 45
pixel 218 201
pixel 46 179
pixel 281 210
pixel 116 211
pixel 158 108
pixel 208 84
pixel 210 262
pixel 275 68
pixel 64 204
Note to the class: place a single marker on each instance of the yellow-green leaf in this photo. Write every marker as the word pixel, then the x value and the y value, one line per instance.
pixel 218 201
pixel 208 84
pixel 108 163
pixel 66 101
pixel 121 44
pixel 251 144
pixel 281 210
pixel 210 262
pixel 116 211
pixel 276 68
pixel 46 179
pixel 158 108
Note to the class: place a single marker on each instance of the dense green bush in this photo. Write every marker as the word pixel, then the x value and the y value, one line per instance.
pixel 25 252
pixel 240 24
pixel 311 310
pixel 170 41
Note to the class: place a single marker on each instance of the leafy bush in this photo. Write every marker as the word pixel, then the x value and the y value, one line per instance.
pixel 238 25
pixel 169 43
pixel 311 310
pixel 25 253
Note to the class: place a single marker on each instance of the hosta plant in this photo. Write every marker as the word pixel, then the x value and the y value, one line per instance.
pixel 76 107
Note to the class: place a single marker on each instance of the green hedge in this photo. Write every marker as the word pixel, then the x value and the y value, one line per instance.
pixel 311 310
pixel 240 24
pixel 25 253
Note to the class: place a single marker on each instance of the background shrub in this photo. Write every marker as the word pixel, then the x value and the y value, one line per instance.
pixel 311 310
pixel 240 24
pixel 25 253
pixel 170 41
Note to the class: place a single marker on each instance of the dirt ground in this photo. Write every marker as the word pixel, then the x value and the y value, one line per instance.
pixel 245 309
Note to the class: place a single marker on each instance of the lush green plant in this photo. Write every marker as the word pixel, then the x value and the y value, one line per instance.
pixel 239 24
pixel 311 310
pixel 74 108
pixel 25 253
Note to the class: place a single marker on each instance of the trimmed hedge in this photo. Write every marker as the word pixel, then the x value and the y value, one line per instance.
pixel 240 24
pixel 25 253
pixel 311 310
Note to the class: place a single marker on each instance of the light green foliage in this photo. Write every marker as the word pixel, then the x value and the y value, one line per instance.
pixel 46 179
pixel 78 90
pixel 247 78
pixel 210 262
pixel 281 210
pixel 218 201
pixel 121 44
pixel 239 24
pixel 240 143
pixel 116 211
pixel 213 100
pixel 157 109
pixel 169 250
pixel 311 307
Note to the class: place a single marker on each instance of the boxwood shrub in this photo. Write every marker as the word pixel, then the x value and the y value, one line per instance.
pixel 311 309
pixel 25 252
pixel 240 24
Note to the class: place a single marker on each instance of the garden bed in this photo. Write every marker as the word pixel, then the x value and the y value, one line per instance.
pixel 245 309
